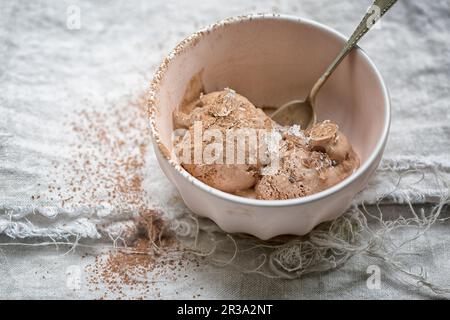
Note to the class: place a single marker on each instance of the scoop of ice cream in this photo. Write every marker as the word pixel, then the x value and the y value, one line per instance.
pixel 310 161
pixel 220 117
pixel 228 178
pixel 327 137
pixel 292 180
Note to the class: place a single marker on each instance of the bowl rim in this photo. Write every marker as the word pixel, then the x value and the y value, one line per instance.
pixel 192 40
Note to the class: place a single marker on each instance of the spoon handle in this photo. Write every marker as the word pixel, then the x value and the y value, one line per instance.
pixel 375 12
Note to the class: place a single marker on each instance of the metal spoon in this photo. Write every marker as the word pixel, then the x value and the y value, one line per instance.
pixel 302 112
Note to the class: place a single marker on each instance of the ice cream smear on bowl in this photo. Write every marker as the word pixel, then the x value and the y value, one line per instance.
pixel 225 141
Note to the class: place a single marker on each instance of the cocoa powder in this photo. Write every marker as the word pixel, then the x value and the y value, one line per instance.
pixel 107 166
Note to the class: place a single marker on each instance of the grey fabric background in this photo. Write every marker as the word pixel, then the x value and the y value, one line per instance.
pixel 47 71
pixel 44 273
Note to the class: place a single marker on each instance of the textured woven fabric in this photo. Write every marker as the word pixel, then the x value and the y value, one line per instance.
pixel 48 72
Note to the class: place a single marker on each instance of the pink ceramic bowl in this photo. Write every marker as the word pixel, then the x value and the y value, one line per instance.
pixel 272 59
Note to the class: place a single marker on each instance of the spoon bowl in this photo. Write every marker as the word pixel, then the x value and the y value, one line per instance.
pixel 295 112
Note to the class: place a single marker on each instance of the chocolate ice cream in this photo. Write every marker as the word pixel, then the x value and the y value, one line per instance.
pixel 225 144
pixel 311 161
pixel 216 114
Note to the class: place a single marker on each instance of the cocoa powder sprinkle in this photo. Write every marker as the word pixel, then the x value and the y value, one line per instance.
pixel 107 166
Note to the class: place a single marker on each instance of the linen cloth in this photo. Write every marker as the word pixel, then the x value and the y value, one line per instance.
pixel 44 273
pixel 48 71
